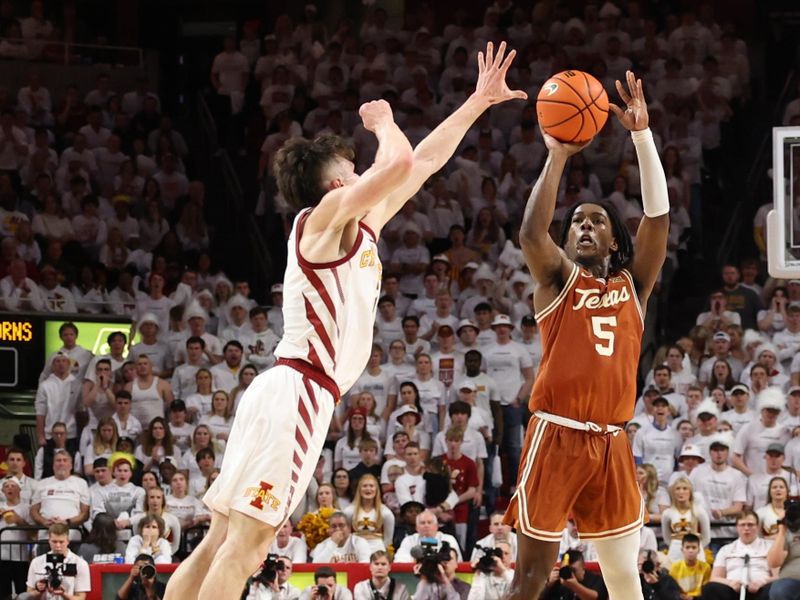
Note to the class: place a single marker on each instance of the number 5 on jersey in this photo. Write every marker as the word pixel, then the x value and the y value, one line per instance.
pixel 602 329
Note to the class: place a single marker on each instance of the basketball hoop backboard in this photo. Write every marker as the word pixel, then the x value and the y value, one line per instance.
pixel 783 221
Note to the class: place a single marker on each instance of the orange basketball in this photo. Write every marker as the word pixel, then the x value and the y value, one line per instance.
pixel 572 106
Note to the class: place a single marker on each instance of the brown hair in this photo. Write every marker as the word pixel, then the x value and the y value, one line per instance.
pixel 299 165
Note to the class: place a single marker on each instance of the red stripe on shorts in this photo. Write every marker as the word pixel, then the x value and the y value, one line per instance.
pixel 311 395
pixel 297 460
pixel 301 407
pixel 298 436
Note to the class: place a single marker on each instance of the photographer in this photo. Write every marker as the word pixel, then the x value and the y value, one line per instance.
pixel 59 573
pixel 325 587
pixel 142 583
pixel 657 583
pixel 785 555
pixel 380 586
pixel 573 582
pixel 427 527
pixel 441 584
pixel 272 580
pixel 493 574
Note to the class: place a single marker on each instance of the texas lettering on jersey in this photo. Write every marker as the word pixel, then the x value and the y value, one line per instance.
pixel 593 298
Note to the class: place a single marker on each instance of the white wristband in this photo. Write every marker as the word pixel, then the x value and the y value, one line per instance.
pixel 655 198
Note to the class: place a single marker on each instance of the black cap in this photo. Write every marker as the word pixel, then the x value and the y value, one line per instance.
pixel 125 438
pixel 100 463
pixel 528 321
pixel 177 405
pixel 412 504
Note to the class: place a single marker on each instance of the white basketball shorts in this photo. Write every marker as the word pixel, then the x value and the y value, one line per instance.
pixel 275 443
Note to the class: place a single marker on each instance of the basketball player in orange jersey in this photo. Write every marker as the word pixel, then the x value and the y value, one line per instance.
pixel 331 289
pixel 588 300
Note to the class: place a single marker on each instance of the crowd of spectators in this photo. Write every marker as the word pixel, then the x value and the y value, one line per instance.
pixel 97 215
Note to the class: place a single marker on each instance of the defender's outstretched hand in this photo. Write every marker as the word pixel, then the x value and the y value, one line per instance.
pixel 492 70
pixel 634 117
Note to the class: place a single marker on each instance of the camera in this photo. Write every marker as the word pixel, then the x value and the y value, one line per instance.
pixel 566 572
pixel 322 591
pixel 57 569
pixel 430 557
pixel 648 566
pixel 269 571
pixel 791 517
pixel 486 562
pixel 147 572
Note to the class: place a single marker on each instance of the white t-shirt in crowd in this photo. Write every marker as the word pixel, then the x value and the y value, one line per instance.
pixel 752 442
pixel 504 362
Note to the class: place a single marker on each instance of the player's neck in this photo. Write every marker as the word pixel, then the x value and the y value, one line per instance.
pixel 690 563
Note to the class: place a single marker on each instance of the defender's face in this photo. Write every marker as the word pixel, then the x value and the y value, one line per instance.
pixel 591 239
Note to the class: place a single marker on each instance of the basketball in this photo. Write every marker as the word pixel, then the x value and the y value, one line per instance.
pixel 572 106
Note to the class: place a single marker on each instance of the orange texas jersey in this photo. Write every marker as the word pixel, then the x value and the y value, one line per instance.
pixel 591 339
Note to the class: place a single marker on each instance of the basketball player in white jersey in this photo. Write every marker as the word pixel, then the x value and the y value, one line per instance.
pixel 331 289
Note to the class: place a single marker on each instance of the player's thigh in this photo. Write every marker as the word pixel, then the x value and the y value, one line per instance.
pixel 248 533
pixel 217 532
pixel 610 504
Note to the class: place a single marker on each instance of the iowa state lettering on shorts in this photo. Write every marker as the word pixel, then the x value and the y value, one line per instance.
pixel 262 496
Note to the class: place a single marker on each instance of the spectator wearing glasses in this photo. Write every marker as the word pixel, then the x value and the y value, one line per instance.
pixel 743 562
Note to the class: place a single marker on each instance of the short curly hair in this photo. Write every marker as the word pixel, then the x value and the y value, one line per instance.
pixel 299 165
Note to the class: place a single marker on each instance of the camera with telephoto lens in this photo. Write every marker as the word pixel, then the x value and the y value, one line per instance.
pixel 269 571
pixel 147 572
pixel 429 555
pixel 486 562
pixel 791 518
pixel 322 591
pixel 648 566
pixel 566 572
pixel 57 569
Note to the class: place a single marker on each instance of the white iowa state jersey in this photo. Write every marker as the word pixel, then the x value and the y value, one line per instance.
pixel 329 308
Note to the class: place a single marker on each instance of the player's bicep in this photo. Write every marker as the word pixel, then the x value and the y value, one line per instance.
pixel 651 250
pixel 547 262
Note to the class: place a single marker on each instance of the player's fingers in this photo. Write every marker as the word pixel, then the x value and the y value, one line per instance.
pixel 519 95
pixel 622 93
pixel 640 89
pixel 507 62
pixel 616 110
pixel 481 64
pixel 489 54
pixel 501 50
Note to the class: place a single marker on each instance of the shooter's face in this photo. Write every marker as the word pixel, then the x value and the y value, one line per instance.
pixel 590 240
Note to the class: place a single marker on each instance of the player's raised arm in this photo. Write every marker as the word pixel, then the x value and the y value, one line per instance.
pixel 435 150
pixel 355 195
pixel 547 262
pixel 651 238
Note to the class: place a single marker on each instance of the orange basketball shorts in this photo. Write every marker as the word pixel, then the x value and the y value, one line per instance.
pixel 565 471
